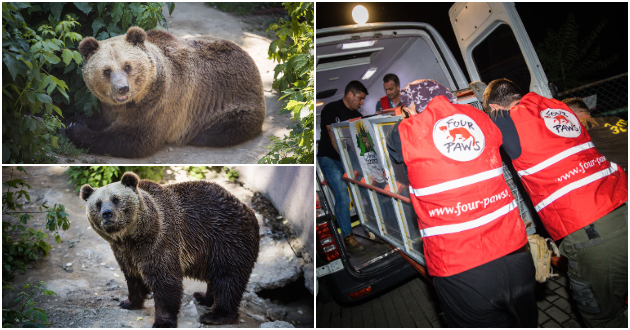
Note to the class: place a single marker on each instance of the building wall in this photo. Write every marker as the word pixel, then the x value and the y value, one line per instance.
pixel 291 189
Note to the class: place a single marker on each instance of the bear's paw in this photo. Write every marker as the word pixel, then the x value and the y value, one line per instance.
pixel 219 317
pixel 127 304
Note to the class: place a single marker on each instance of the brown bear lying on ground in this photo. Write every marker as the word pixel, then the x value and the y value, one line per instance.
pixel 155 88
pixel 161 233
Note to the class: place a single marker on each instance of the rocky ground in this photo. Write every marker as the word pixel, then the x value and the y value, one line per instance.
pixel 194 20
pixel 89 284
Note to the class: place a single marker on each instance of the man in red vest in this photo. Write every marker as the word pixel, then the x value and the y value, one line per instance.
pixel 475 244
pixel 391 84
pixel 578 194
pixel 609 134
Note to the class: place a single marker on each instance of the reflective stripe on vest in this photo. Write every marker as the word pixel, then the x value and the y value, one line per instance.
pixel 458 227
pixel 550 161
pixel 575 185
pixel 457 183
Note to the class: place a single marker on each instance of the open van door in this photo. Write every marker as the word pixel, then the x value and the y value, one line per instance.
pixel 495 45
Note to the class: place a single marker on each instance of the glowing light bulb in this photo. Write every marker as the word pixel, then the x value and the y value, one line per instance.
pixel 360 14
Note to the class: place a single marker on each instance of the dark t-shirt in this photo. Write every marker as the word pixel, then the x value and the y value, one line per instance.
pixel 333 112
pixel 511 140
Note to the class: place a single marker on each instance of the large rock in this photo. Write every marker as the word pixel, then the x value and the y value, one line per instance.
pixel 276 265
pixel 277 324
pixel 309 272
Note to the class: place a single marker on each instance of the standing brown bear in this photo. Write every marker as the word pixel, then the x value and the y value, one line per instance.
pixel 161 233
pixel 156 88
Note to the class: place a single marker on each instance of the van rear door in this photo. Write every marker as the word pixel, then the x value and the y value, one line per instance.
pixel 494 44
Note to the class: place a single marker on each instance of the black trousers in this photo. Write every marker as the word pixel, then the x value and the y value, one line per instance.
pixel 499 293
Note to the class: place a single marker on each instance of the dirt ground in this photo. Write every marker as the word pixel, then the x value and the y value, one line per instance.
pixel 83 272
pixel 194 20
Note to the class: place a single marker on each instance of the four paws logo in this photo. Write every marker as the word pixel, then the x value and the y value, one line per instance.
pixel 458 137
pixel 562 122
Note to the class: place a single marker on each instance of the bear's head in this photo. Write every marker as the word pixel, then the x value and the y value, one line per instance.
pixel 113 209
pixel 119 69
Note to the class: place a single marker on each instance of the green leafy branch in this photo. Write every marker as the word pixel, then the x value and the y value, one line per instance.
pixel 28 56
pixel 567 60
pixel 26 313
pixel 26 244
pixel 294 76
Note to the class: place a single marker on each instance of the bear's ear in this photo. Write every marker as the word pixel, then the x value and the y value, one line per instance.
pixel 130 180
pixel 86 192
pixel 88 47
pixel 136 35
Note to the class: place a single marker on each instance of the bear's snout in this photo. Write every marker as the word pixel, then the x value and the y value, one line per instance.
pixel 120 86
pixel 107 215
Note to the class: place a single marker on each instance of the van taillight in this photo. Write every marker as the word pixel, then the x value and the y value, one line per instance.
pixel 326 245
pixel 360 293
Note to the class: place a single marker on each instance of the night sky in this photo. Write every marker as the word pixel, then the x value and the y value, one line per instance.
pixel 536 17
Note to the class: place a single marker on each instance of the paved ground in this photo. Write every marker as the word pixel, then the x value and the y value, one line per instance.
pixel 414 304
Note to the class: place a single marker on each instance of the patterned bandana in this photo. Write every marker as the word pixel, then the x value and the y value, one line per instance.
pixel 421 92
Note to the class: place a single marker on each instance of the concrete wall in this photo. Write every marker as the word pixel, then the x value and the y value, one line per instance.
pixel 291 189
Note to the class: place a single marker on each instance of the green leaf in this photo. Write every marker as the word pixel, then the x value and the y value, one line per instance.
pixel 171 7
pixel 97 25
pixel 53 141
pixel 77 57
pixel 56 9
pixel 103 35
pixel 84 7
pixel 53 59
pixel 57 110
pixel 11 63
pixel 100 6
pixel 117 12
pixel 44 98
pixel 43 317
pixel 67 56
pixel 126 19
pixel 51 87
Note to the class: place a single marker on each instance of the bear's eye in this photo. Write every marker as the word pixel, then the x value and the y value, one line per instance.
pixel 107 72
pixel 98 204
pixel 127 68
pixel 115 200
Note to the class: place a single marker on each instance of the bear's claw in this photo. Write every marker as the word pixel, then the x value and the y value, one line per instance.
pixel 218 317
pixel 126 304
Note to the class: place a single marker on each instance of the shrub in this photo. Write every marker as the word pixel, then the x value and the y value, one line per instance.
pixel 294 77
pixel 99 176
pixel 23 244
pixel 27 313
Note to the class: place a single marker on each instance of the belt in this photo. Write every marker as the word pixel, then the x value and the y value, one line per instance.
pixel 524 248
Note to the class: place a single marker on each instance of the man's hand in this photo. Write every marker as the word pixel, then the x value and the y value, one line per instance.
pixel 332 138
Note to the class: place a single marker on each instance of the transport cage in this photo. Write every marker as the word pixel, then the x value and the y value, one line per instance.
pixel 384 208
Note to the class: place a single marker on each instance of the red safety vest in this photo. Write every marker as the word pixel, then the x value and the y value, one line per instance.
pixel 466 213
pixel 385 103
pixel 569 182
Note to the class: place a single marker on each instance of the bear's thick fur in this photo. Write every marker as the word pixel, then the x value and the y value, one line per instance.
pixel 161 233
pixel 155 88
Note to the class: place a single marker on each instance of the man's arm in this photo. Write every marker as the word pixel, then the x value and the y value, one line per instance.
pixel 332 138
pixel 511 140
pixel 394 147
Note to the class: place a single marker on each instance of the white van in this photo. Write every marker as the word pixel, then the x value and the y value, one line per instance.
pixel 494 45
